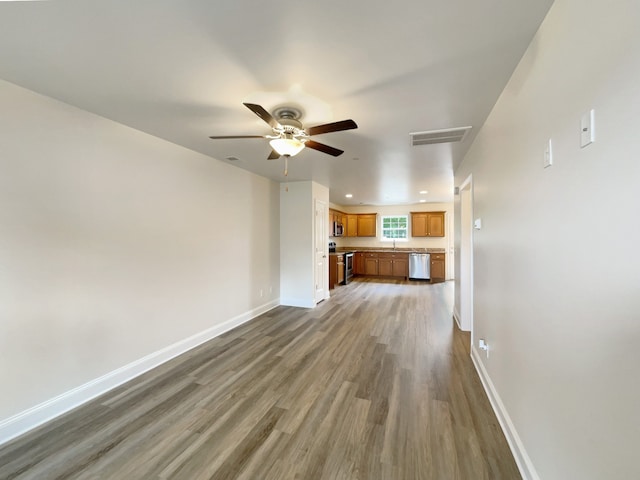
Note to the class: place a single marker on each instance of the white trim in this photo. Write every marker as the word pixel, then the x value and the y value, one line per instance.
pixel 298 302
pixel 54 407
pixel 525 465
pixel 466 268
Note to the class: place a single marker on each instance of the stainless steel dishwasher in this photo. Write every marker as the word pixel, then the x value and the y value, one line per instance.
pixel 420 266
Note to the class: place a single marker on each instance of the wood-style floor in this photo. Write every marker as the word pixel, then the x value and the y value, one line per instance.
pixel 374 383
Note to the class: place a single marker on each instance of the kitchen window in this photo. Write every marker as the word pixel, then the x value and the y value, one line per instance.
pixel 395 227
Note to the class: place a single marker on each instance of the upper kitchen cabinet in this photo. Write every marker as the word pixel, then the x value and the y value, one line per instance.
pixel 367 224
pixel 427 224
pixel 351 225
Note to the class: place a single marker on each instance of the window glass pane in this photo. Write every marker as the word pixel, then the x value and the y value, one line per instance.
pixel 395 226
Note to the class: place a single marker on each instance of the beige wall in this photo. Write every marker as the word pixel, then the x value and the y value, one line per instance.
pixel 115 245
pixel 557 269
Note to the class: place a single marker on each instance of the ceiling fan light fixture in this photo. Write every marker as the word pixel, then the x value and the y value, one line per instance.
pixel 287 146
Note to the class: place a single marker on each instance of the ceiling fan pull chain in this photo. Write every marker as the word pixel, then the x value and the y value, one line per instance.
pixel 286 165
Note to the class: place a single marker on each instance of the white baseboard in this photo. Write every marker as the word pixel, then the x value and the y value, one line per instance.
pixel 34 417
pixel 527 470
pixel 297 302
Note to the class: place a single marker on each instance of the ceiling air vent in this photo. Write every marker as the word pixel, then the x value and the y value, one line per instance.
pixel 448 135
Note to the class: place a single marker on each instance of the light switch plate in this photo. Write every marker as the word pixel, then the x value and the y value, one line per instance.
pixel 548 155
pixel 477 224
pixel 587 131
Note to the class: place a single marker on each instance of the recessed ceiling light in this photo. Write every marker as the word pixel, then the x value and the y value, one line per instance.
pixel 422 201
pixel 348 195
pixel 423 192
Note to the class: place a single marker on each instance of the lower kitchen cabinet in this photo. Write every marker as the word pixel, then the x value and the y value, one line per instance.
pixel 371 264
pixel 385 266
pixel 336 270
pixel 340 269
pixel 400 267
pixel 393 264
pixel 438 267
pixel 358 263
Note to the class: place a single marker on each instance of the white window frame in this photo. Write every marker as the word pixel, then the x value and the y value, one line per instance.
pixel 386 239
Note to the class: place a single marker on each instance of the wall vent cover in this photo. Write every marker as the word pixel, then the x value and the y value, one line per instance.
pixel 447 135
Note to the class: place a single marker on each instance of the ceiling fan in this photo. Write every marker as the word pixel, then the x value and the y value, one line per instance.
pixel 289 137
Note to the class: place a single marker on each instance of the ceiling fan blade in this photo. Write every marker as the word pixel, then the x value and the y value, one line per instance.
pixel 321 147
pixel 263 114
pixel 273 155
pixel 332 127
pixel 237 136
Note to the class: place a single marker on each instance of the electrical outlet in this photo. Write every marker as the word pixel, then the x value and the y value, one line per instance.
pixel 548 155
pixel 587 128
pixel 482 345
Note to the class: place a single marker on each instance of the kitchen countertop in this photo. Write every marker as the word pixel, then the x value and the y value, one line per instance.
pixel 390 250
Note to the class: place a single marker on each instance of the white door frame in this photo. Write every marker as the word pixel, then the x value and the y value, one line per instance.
pixel 321 245
pixel 466 255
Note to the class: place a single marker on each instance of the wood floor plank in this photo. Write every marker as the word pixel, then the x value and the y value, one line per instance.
pixel 374 383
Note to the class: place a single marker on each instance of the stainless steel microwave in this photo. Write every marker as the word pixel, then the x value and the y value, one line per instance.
pixel 338 229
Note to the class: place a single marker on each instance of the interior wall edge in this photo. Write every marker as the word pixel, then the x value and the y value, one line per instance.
pixel 42 413
pixel 456 317
pixel 523 461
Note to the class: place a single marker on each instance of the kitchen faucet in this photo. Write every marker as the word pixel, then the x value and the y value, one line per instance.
pixel 394 244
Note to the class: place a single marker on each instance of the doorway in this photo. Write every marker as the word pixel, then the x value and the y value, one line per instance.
pixel 466 256
pixel 321 245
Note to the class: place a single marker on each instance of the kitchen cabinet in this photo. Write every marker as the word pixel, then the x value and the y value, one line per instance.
pixel 336 270
pixel 393 264
pixel 385 266
pixel 427 224
pixel 335 216
pixel 354 225
pixel 438 267
pixel 401 267
pixel 358 263
pixel 371 264
pixel 333 271
pixel 351 226
pixel 367 224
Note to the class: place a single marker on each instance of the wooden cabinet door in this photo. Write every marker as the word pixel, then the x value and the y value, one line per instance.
pixel 351 226
pixel 367 225
pixel 435 224
pixel 427 224
pixel 358 264
pixel 385 267
pixel 418 224
pixel 400 267
pixel 370 266
pixel 340 266
pixel 333 271
pixel 437 267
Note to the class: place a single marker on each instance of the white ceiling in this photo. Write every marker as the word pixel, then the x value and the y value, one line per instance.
pixel 180 70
